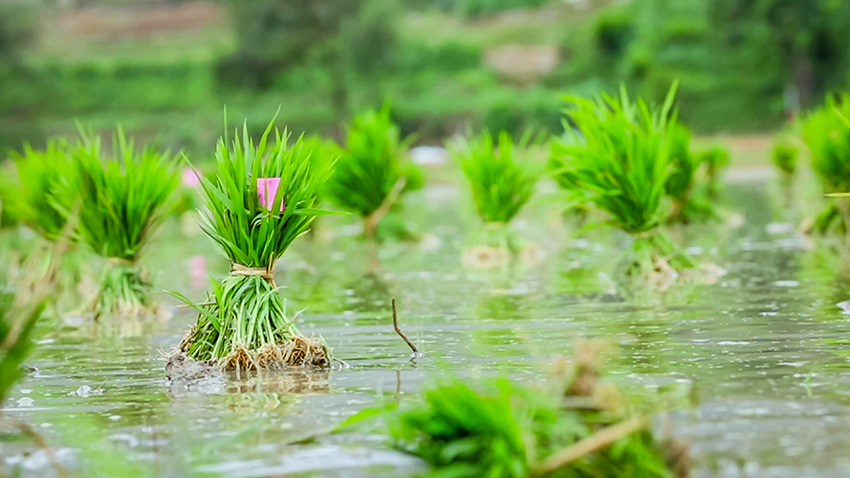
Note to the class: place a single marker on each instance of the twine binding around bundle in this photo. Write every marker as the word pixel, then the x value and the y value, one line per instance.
pixel 266 273
pixel 120 262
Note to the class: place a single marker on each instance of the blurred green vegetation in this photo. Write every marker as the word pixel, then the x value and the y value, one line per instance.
pixel 743 65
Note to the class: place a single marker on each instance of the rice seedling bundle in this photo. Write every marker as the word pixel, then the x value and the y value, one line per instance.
pixel 41 194
pixel 784 156
pixel 261 199
pixel 122 202
pixel 501 182
pixel 620 158
pixel 715 159
pixel 826 132
pixel 573 426
pixel 373 170
pixel 687 183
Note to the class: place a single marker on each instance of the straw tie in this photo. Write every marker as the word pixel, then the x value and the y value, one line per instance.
pixel 119 261
pixel 646 234
pixel 266 273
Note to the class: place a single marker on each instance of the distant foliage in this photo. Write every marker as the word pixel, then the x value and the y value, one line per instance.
pixel 613 30
pixel 476 8
pixel 338 35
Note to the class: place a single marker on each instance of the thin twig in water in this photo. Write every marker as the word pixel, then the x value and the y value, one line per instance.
pixel 400 333
pixel 39 441
pixel 598 440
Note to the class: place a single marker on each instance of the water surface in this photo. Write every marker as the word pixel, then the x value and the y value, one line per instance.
pixel 764 349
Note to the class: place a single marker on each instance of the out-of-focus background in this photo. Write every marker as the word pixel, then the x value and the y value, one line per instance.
pixel 167 67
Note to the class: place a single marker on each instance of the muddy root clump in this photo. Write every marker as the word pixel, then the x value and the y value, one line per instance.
pixel 299 351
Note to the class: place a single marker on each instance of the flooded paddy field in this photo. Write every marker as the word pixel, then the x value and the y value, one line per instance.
pixel 761 352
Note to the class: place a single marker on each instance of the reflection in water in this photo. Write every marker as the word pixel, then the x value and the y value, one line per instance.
pixel 764 348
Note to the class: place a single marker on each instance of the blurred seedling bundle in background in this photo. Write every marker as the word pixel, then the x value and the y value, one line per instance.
pixel 826 131
pixel 372 174
pixel 502 177
pixel 123 202
pixel 619 158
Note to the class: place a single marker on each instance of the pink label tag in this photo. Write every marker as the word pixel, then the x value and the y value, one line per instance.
pixel 267 192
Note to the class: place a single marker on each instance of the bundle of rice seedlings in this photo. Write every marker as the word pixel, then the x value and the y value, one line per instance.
pixel 715 159
pixel 501 182
pixel 687 183
pixel 826 132
pixel 620 158
pixel 784 156
pixel 122 202
pixel 41 194
pixel 573 426
pixel 261 199
pixel 373 172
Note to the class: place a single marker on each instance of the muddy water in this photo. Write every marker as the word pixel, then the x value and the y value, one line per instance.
pixel 763 350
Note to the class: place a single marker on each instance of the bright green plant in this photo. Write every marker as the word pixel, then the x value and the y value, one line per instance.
pixel 688 181
pixel 826 132
pixel 261 199
pixel 372 171
pixel 620 158
pixel 122 204
pixel 784 155
pixel 24 294
pixel 40 195
pixel 16 325
pixel 500 428
pixel 501 181
pixel 715 159
pixel 8 216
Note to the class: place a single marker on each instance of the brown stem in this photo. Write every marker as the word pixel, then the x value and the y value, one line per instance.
pixel 400 333
pixel 598 440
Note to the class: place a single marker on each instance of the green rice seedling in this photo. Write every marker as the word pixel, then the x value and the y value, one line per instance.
pixel 261 199
pixel 687 183
pixel 16 325
pixel 572 426
pixel 41 194
pixel 826 132
pixel 715 159
pixel 8 217
pixel 123 201
pixel 784 155
pixel 373 171
pixel 620 158
pixel 24 295
pixel 502 181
